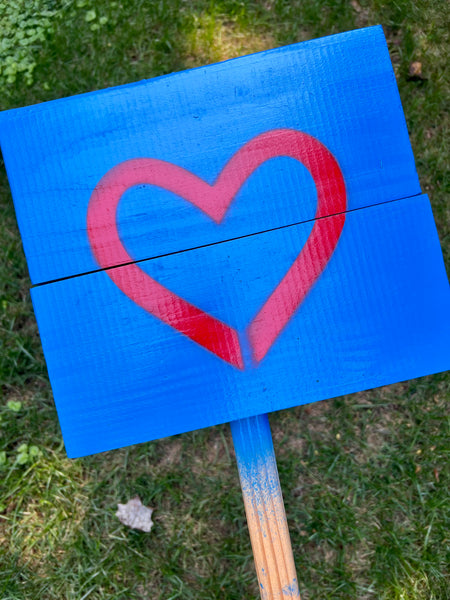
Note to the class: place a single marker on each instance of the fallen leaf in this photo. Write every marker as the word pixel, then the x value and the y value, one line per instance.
pixel 415 71
pixel 135 515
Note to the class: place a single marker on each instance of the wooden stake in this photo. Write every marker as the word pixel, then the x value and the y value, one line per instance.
pixel 264 508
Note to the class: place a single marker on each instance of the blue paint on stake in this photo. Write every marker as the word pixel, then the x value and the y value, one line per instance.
pixel 264 508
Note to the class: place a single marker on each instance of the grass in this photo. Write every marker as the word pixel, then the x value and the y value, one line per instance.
pixel 365 477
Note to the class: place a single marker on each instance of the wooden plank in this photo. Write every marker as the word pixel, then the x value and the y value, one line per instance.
pixel 339 90
pixel 377 314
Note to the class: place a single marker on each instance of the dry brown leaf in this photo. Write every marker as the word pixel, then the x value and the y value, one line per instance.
pixel 415 71
pixel 135 515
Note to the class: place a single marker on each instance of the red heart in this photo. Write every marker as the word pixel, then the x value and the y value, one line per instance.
pixel 214 200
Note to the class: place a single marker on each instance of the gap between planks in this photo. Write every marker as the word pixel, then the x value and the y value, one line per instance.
pixel 241 237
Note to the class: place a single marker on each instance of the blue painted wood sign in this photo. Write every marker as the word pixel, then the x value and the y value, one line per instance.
pixel 227 241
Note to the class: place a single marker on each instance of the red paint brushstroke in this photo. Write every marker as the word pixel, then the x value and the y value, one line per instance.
pixel 214 200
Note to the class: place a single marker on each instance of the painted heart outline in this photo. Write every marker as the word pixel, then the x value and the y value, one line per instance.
pixel 214 200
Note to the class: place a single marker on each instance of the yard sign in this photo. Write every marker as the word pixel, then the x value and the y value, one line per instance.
pixel 224 242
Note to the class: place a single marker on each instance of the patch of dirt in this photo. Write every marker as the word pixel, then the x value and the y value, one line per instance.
pixel 362 15
pixel 173 455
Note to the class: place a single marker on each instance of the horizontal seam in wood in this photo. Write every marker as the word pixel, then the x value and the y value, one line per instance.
pixel 241 237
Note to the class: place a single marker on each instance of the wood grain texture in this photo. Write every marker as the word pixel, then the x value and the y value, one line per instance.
pixel 235 239
pixel 264 507
pixel 378 313
pixel 341 90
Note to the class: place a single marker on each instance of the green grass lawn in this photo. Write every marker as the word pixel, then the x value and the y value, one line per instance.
pixel 365 477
